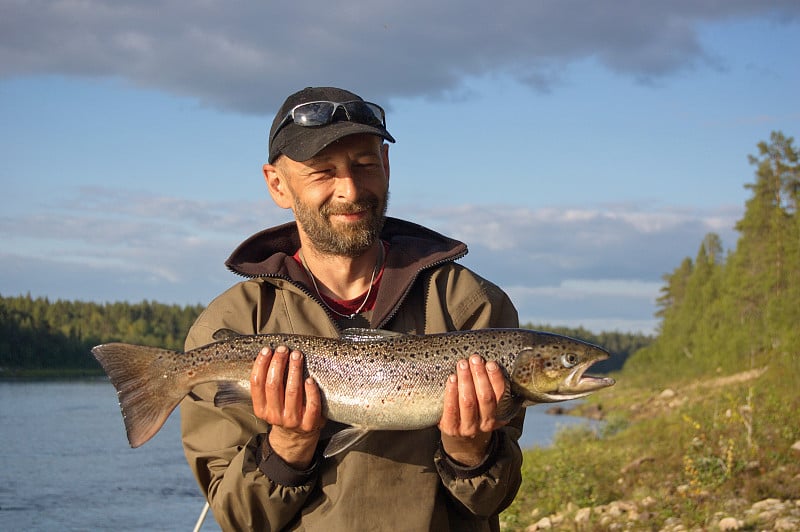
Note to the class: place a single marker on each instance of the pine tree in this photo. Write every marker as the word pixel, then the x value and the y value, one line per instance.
pixel 765 267
pixel 744 310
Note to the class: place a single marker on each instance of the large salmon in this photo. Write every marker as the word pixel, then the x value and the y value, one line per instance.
pixel 369 379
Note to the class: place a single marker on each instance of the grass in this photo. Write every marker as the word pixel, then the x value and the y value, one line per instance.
pixel 707 447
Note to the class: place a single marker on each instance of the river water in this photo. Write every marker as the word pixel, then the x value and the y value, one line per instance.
pixel 65 463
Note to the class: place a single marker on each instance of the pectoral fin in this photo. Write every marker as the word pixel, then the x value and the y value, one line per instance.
pixel 231 393
pixel 343 440
pixel 509 405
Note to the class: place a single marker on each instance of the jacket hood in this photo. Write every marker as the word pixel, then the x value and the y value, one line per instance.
pixel 269 252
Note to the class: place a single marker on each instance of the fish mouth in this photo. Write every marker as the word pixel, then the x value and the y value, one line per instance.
pixel 577 385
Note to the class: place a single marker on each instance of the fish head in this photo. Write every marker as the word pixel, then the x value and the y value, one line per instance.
pixel 551 368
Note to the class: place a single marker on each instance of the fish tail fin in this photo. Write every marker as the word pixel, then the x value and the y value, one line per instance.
pixel 138 373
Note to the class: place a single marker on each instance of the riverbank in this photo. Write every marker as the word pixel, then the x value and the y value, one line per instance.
pixel 721 453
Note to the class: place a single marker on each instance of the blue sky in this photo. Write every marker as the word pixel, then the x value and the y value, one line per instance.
pixel 581 149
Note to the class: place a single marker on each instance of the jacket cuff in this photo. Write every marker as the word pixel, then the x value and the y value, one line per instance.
pixel 461 471
pixel 276 469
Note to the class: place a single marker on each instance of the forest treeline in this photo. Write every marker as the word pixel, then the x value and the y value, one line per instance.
pixel 620 345
pixel 723 312
pixel 37 334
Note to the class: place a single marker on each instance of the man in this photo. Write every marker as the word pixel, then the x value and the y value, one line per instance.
pixel 344 264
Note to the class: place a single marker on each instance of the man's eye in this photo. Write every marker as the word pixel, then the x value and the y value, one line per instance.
pixel 323 172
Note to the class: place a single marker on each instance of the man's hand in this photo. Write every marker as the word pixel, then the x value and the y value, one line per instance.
pixel 470 405
pixel 290 404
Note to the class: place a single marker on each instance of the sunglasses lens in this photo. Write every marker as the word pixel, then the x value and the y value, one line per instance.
pixel 314 113
pixel 365 113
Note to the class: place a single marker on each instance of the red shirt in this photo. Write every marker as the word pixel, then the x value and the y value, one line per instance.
pixel 350 306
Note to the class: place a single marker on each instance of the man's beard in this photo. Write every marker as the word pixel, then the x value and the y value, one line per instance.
pixel 348 240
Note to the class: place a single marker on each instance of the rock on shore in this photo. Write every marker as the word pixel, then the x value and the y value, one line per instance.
pixel 767 514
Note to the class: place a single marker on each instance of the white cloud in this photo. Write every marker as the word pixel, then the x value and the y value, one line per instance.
pixel 596 304
pixel 600 267
pixel 578 288
pixel 159 247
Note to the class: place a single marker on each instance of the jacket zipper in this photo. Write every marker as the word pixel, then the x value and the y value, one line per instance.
pixel 403 297
pixel 297 285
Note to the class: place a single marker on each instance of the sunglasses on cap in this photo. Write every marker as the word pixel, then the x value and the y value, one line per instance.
pixel 322 113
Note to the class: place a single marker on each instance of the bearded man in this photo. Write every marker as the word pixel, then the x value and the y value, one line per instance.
pixel 342 264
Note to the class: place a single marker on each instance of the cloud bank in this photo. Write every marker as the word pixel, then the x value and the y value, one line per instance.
pixel 561 267
pixel 246 55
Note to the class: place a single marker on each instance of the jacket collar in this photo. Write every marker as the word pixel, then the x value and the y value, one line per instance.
pixel 268 252
pixel 412 250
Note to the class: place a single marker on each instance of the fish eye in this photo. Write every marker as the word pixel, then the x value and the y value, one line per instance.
pixel 569 359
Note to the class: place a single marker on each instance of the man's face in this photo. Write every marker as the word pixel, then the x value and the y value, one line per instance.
pixel 341 195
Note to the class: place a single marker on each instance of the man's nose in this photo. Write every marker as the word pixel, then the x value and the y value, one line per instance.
pixel 347 185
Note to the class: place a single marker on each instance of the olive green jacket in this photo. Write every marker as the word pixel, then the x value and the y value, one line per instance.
pixel 392 480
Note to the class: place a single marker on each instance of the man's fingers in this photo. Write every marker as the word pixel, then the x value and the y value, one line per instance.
pixel 294 392
pixel 467 401
pixel 312 416
pixel 484 392
pixel 258 377
pixel 450 421
pixel 274 386
pixel 497 379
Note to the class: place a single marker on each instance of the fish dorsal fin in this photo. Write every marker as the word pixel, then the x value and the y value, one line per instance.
pixel 224 334
pixel 368 335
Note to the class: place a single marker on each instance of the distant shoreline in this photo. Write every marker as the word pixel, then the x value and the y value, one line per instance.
pixel 26 374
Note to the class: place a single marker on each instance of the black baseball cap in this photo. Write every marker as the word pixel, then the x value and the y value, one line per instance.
pixel 301 143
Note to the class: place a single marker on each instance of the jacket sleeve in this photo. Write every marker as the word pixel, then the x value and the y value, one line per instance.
pixel 488 488
pixel 223 445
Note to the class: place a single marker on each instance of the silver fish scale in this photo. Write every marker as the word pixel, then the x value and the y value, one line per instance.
pixel 396 382
pixel 393 382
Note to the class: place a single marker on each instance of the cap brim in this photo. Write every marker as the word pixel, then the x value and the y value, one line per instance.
pixel 301 143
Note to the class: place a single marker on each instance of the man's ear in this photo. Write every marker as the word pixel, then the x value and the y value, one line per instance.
pixel 278 187
pixel 385 155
